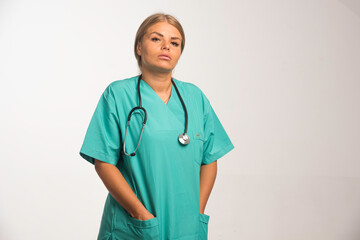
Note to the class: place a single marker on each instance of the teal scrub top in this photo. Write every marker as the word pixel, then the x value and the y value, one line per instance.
pixel 164 174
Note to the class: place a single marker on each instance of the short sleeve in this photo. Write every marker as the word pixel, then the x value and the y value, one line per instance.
pixel 217 142
pixel 103 138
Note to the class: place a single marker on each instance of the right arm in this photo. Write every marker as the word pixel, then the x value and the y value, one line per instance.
pixel 120 190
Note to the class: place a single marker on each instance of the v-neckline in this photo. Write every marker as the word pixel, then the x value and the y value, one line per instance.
pixel 157 96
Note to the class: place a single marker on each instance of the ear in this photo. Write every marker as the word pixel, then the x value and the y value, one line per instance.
pixel 138 48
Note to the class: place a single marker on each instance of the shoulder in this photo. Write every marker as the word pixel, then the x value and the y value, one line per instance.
pixel 125 83
pixel 118 87
pixel 189 88
pixel 187 85
pixel 194 92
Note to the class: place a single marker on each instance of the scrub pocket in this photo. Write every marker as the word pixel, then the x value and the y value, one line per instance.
pixel 145 229
pixel 203 229
pixel 197 141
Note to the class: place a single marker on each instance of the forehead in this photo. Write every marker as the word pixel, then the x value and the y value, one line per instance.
pixel 164 28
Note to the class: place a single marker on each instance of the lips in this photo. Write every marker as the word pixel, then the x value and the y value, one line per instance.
pixel 165 56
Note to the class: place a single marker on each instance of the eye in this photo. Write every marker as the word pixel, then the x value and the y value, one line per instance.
pixel 175 44
pixel 154 38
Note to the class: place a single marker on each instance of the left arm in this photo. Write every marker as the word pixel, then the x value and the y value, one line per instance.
pixel 207 180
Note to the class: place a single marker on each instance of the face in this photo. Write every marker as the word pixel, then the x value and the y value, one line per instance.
pixel 160 38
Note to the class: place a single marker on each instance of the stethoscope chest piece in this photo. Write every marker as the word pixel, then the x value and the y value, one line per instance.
pixel 184 139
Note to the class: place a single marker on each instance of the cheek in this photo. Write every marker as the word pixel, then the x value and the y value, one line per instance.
pixel 146 49
pixel 151 52
pixel 177 56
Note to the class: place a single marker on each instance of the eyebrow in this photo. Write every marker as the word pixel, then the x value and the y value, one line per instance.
pixel 163 35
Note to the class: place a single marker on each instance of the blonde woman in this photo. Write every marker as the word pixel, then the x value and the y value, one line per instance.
pixel 155 141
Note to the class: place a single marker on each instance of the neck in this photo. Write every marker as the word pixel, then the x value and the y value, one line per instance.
pixel 159 81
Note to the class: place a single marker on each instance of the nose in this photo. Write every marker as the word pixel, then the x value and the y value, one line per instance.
pixel 165 45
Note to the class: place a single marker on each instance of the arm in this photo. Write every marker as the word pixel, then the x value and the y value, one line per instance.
pixel 207 180
pixel 120 190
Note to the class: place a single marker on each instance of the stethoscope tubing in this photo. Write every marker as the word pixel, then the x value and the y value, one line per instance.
pixel 145 118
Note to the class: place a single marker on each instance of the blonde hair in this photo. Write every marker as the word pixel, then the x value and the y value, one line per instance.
pixel 149 21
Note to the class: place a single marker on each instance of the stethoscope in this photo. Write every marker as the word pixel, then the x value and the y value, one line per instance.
pixel 184 139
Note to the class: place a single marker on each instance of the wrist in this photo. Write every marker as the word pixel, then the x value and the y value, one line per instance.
pixel 141 211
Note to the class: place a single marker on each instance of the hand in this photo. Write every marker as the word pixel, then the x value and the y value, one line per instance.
pixel 146 215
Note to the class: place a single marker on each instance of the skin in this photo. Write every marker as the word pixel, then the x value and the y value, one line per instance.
pixel 157 73
pixel 207 179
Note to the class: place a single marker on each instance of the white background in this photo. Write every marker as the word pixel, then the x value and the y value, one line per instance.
pixel 282 76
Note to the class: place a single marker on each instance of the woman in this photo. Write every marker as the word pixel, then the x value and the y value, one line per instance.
pixel 157 189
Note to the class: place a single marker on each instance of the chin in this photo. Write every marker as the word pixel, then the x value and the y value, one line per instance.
pixel 162 68
pixel 165 70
